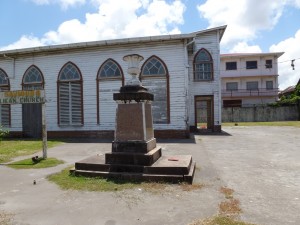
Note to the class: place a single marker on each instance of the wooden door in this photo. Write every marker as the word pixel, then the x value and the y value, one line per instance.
pixel 32 120
pixel 204 112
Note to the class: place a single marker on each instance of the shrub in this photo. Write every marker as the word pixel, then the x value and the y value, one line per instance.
pixel 3 133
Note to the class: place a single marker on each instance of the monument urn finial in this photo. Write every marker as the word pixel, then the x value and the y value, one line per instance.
pixel 133 68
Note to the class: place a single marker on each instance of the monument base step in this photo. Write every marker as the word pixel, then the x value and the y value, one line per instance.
pixel 174 169
pixel 188 178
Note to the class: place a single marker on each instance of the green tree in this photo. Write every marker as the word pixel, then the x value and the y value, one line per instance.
pixel 291 99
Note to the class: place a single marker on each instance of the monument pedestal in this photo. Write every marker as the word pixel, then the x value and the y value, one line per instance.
pixel 134 155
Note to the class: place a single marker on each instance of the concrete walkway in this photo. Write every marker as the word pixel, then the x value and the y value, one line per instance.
pixel 261 164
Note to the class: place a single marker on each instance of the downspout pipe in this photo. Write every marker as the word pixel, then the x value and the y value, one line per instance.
pixel 186 80
pixel 14 66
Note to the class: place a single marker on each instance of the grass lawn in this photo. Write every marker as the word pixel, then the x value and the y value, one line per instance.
pixel 11 148
pixel 41 163
pixel 275 123
pixel 67 181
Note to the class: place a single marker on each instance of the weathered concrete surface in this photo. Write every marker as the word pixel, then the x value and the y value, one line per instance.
pixel 261 164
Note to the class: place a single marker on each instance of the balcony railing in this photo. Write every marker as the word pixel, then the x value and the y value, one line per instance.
pixel 250 93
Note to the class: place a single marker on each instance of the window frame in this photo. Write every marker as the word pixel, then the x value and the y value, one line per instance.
pixel 269 63
pixel 203 62
pixel 249 66
pixel 36 85
pixel 166 76
pixel 248 83
pixel 142 74
pixel 228 67
pixel 70 82
pixel 5 87
pixel 99 79
pixel 232 89
pixel 113 77
pixel 269 82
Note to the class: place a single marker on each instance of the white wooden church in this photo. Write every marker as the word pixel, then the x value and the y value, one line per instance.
pixel 182 71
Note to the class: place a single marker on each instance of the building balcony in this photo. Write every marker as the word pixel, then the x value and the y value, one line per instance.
pixel 260 92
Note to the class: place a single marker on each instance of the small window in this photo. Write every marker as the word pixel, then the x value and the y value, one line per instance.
pixel 269 85
pixel 251 65
pixel 33 79
pixel 154 67
pixel 269 63
pixel 3 78
pixel 203 66
pixel 231 86
pixel 110 70
pixel 231 66
pixel 252 85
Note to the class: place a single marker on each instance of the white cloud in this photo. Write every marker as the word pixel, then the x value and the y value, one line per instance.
pixel 295 3
pixel 243 47
pixel 26 41
pixel 63 3
pixel 114 19
pixel 291 47
pixel 245 18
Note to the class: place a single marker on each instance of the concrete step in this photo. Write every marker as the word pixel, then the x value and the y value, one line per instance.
pixel 172 169
pixel 93 163
pixel 133 158
pixel 134 146
pixel 172 165
pixel 132 176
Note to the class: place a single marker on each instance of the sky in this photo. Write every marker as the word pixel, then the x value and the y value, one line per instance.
pixel 253 26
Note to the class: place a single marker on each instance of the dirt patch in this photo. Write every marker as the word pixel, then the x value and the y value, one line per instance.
pixel 5 218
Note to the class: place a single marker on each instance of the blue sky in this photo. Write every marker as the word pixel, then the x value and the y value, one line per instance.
pixel 253 25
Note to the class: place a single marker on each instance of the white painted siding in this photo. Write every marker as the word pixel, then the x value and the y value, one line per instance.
pixel 88 62
pixel 209 41
pixel 107 105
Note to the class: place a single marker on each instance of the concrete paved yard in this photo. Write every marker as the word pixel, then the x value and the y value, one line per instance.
pixel 261 164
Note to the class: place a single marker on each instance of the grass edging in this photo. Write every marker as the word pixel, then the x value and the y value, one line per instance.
pixel 12 148
pixel 271 123
pixel 220 220
pixel 67 181
pixel 38 164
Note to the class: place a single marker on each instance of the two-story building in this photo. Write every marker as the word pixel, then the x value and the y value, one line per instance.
pixel 249 79
pixel 182 71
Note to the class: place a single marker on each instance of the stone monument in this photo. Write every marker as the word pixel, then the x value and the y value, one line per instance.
pixel 134 155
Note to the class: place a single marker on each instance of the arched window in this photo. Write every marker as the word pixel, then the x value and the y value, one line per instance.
pixel 70 103
pixel 33 79
pixel 109 79
pixel 203 66
pixel 4 109
pixel 155 77
pixel 110 70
